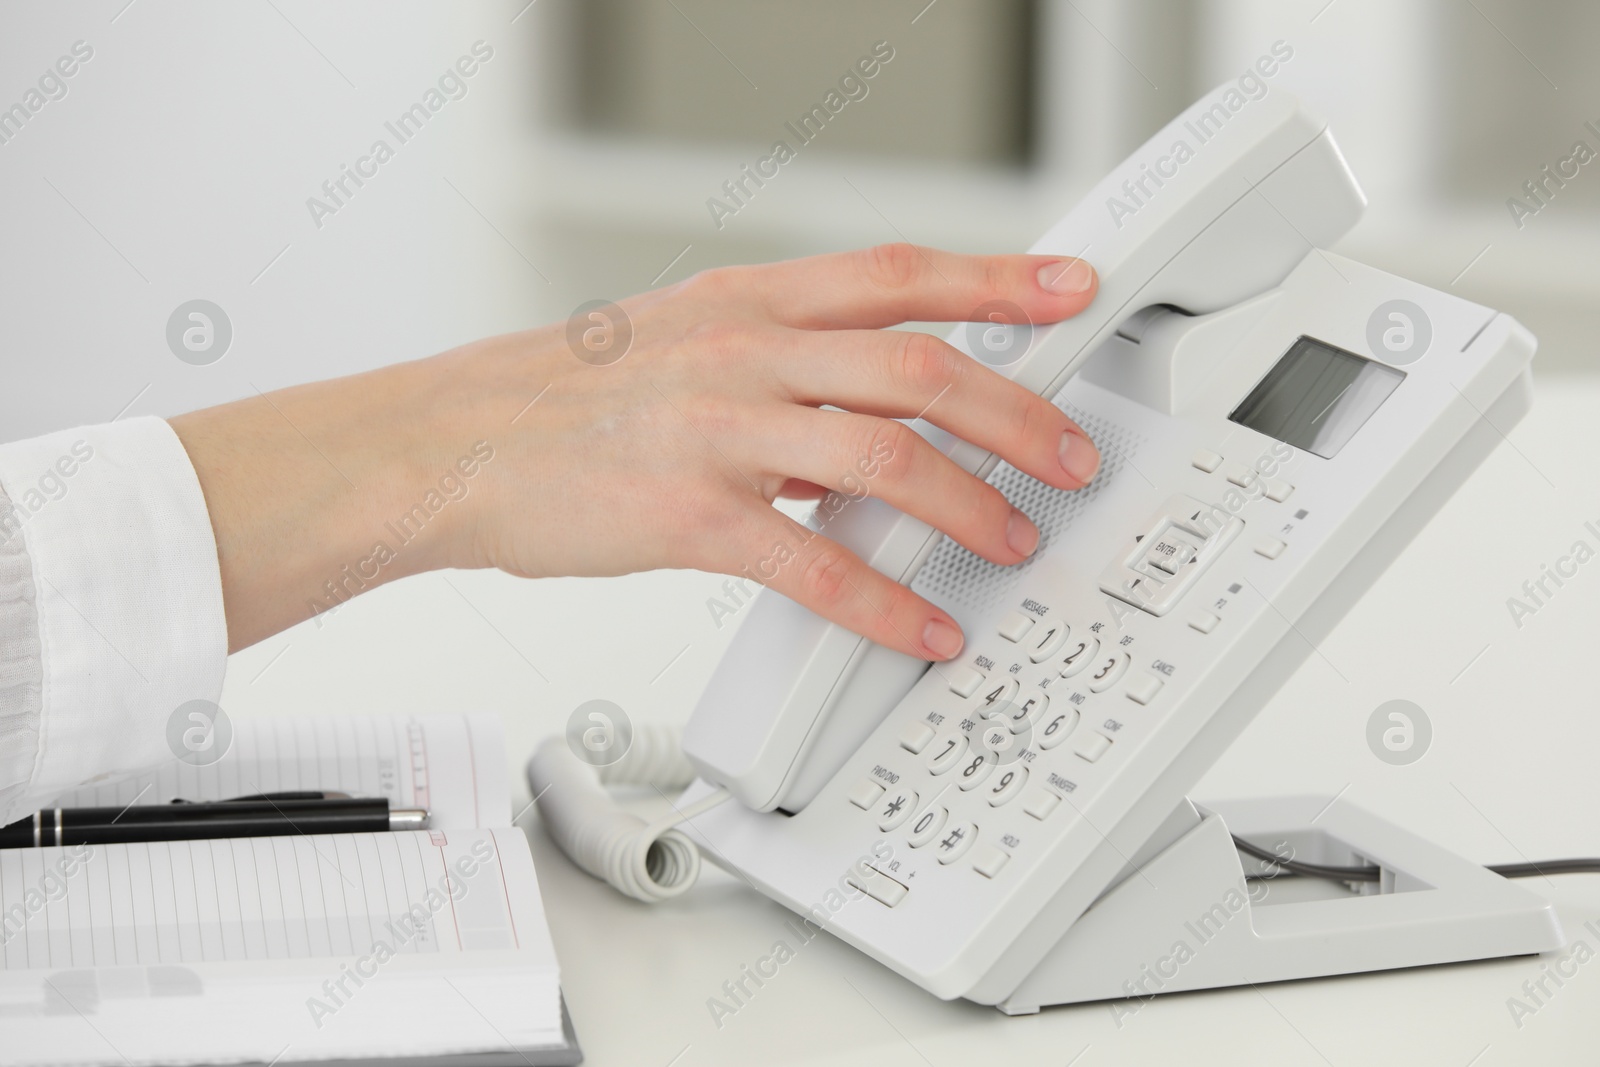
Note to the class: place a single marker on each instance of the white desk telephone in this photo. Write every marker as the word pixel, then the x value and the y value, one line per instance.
pixel 1276 422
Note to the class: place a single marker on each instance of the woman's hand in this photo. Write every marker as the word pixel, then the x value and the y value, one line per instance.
pixel 541 463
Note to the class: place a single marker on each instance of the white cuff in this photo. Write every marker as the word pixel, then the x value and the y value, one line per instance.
pixel 108 526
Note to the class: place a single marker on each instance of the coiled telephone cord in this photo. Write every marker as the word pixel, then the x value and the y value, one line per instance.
pixel 647 861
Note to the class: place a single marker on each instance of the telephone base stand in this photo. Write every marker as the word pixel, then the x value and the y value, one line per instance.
pixel 1189 919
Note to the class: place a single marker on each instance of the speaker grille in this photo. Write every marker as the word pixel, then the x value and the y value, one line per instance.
pixel 954 575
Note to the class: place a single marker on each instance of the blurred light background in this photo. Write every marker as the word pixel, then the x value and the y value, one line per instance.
pixel 578 164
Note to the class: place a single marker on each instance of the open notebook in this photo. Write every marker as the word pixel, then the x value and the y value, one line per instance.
pixel 418 947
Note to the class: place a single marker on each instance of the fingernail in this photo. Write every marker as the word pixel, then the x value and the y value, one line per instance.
pixel 1066 277
pixel 1079 458
pixel 1021 534
pixel 942 639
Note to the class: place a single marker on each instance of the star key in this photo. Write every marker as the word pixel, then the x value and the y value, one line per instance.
pixel 897 810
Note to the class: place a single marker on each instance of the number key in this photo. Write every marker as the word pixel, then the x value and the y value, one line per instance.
pixel 1082 654
pixel 1109 671
pixel 1056 729
pixel 1050 642
pixel 975 771
pixel 998 695
pixel 1008 785
pixel 927 826
pixel 948 753
pixel 1027 710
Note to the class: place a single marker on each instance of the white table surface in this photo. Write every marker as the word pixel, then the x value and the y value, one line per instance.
pixel 1511 774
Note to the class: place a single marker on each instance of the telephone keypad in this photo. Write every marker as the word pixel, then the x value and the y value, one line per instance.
pixel 948 753
pixel 1013 722
pixel 896 809
pixel 928 825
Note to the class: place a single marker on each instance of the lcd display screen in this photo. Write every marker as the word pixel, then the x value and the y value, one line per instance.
pixel 1317 396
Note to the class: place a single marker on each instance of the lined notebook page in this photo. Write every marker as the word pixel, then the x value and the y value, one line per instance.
pixel 260 898
pixel 276 950
pixel 453 765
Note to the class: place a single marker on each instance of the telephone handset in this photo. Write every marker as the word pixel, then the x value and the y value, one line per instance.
pixel 1217 207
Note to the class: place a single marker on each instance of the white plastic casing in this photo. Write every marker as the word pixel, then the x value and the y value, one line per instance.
pixel 1154 406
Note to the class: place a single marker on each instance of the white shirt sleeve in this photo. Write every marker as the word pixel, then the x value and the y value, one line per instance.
pixel 110 606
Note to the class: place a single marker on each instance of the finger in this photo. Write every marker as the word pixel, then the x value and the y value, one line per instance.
pixel 904 374
pixel 834 582
pixel 896 283
pixel 799 489
pixel 860 455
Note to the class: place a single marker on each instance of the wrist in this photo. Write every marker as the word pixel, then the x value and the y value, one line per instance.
pixel 436 472
pixel 430 516
pixel 308 488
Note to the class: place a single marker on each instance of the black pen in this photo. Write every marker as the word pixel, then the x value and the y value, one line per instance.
pixel 263 815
